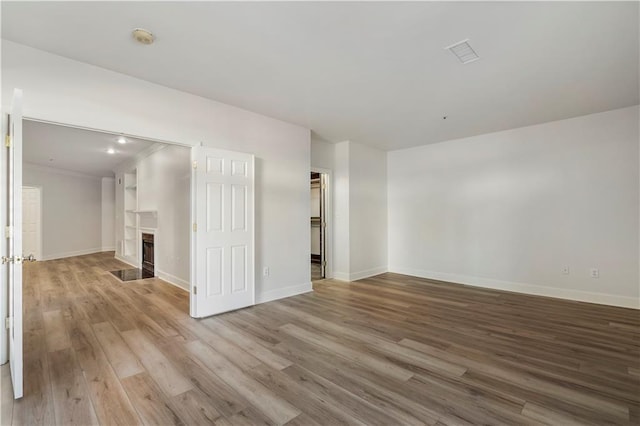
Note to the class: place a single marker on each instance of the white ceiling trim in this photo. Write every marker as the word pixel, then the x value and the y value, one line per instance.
pixel 60 171
pixel 131 164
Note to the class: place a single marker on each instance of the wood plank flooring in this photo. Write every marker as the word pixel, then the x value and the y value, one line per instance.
pixel 389 350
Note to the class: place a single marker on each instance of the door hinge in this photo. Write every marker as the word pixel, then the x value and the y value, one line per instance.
pixel 7 141
pixel 8 231
pixel 195 290
pixel 324 263
pixel 8 322
pixel 195 227
pixel 195 164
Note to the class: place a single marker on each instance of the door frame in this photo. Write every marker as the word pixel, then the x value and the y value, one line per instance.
pixel 38 254
pixel 128 135
pixel 328 208
pixel 4 285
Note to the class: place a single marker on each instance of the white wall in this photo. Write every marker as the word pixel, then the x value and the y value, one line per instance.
pixel 322 153
pixel 67 91
pixel 108 213
pixel 509 209
pixel 71 211
pixel 341 248
pixel 360 211
pixel 164 186
pixel 367 211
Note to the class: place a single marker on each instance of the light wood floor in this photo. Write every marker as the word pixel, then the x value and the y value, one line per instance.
pixel 382 351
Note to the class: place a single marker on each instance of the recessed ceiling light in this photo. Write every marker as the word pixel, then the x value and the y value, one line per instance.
pixel 111 151
pixel 463 51
pixel 122 140
pixel 143 36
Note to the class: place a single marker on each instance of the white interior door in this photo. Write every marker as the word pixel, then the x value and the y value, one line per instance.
pixel 12 251
pixel 31 227
pixel 223 237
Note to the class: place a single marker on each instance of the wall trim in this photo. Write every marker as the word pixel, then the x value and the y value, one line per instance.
pixel 164 276
pixel 281 293
pixel 354 276
pixel 133 163
pixel 110 248
pixel 125 260
pixel 71 254
pixel 64 172
pixel 536 290
pixel 341 276
pixel 173 280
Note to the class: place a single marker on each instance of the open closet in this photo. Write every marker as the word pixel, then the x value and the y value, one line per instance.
pixel 318 227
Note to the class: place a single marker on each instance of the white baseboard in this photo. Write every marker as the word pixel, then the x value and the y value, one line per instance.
pixel 173 280
pixel 126 260
pixel 110 248
pixel 168 278
pixel 281 293
pixel 72 253
pixel 537 290
pixel 341 276
pixel 354 276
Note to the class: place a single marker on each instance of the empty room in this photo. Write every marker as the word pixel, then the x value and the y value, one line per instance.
pixel 320 213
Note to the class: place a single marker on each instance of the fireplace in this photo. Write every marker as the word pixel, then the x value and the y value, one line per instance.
pixel 148 255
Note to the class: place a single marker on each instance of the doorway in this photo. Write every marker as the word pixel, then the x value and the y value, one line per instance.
pixel 319 224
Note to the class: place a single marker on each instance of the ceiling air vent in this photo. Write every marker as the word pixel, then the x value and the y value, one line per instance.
pixel 463 51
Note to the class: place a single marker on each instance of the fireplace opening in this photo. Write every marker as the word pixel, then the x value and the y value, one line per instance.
pixel 147 253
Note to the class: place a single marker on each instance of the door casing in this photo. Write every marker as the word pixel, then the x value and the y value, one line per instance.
pixel 328 218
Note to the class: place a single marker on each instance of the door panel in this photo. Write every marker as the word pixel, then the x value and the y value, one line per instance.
pixel 223 238
pixel 31 221
pixel 214 276
pixel 214 206
pixel 238 269
pixel 239 207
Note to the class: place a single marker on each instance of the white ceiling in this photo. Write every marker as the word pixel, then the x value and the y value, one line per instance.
pixel 77 150
pixel 374 72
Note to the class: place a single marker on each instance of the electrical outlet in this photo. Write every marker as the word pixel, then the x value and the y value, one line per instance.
pixel 265 271
pixel 595 273
pixel 565 270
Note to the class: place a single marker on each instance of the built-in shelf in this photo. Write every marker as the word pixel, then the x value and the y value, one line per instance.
pixel 130 206
pixel 154 213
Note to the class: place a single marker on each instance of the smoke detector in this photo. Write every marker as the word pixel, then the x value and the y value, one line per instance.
pixel 143 36
pixel 463 51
